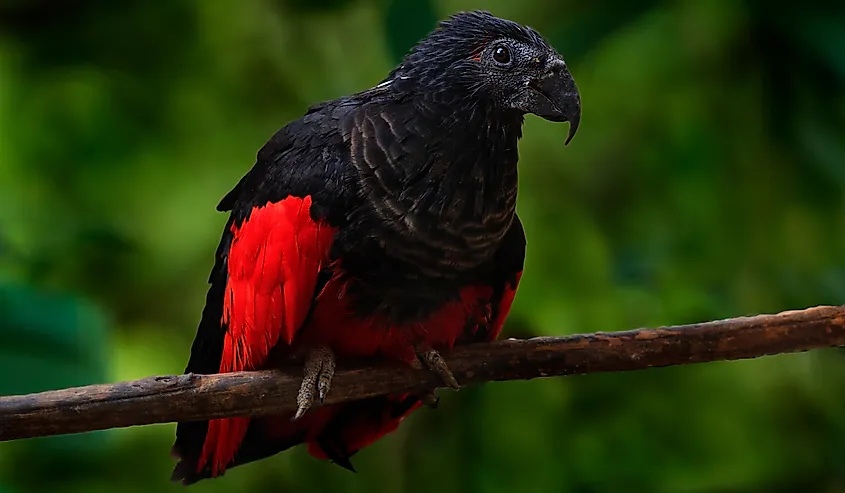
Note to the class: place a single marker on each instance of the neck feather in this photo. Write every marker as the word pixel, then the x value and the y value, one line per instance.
pixel 449 202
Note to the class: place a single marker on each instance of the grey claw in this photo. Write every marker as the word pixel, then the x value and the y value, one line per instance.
pixel 435 362
pixel 319 370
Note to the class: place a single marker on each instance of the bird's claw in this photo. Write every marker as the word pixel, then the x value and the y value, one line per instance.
pixel 432 359
pixel 319 370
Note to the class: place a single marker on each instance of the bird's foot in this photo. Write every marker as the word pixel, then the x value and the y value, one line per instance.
pixel 432 360
pixel 319 370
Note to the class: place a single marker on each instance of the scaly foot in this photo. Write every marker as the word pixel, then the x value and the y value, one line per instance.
pixel 435 362
pixel 319 370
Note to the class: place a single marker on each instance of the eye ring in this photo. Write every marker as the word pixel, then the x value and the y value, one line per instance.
pixel 501 55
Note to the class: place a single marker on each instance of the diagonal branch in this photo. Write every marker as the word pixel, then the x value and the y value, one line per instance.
pixel 200 397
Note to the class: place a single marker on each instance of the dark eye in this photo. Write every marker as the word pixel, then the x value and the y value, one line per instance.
pixel 502 55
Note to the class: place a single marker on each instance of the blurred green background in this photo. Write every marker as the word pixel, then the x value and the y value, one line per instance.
pixel 706 182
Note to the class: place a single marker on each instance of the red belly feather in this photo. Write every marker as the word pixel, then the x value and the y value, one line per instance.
pixel 333 324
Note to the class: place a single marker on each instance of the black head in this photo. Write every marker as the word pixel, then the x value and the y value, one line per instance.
pixel 475 57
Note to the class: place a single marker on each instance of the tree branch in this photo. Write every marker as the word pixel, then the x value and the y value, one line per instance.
pixel 200 397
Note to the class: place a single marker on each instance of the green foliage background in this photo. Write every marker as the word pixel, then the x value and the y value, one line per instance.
pixel 706 182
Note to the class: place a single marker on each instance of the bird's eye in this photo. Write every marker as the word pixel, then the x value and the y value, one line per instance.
pixel 501 55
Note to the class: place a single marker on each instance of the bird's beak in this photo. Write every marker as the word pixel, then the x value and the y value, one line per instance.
pixel 556 97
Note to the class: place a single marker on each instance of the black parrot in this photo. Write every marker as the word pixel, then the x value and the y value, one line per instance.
pixel 380 224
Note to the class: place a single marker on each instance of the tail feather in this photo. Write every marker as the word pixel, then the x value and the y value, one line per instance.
pixel 333 433
pixel 360 424
pixel 265 436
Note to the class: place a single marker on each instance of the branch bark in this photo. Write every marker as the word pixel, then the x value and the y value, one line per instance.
pixel 200 397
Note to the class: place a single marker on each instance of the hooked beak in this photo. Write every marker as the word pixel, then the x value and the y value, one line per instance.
pixel 556 97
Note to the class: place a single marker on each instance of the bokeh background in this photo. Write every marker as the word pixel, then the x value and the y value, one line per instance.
pixel 706 182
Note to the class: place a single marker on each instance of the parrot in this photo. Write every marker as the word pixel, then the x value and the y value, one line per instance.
pixel 379 225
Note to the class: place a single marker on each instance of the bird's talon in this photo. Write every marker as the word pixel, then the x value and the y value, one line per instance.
pixel 299 413
pixel 319 370
pixel 323 392
pixel 435 362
